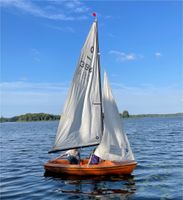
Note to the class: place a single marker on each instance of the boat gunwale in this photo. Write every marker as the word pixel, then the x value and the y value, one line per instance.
pixel 90 167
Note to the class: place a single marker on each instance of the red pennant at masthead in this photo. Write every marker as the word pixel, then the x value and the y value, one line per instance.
pixel 94 14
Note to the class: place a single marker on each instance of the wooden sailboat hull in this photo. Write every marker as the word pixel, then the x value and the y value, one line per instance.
pixel 60 166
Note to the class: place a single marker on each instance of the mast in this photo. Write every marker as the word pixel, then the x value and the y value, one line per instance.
pixel 100 87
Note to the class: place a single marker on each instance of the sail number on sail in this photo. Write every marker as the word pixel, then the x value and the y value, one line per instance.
pixel 87 64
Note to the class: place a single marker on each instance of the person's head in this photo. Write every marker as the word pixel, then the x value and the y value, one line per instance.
pixel 76 150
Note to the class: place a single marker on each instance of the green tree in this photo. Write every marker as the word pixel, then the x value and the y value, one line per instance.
pixel 125 114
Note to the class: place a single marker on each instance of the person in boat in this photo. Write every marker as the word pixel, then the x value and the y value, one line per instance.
pixel 73 155
pixel 94 159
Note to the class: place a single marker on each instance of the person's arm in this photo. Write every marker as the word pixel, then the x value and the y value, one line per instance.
pixel 60 156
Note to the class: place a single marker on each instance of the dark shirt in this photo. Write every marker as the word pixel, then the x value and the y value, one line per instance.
pixel 94 160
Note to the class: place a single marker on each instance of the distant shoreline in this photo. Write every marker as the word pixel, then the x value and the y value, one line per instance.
pixel 29 117
pixel 156 115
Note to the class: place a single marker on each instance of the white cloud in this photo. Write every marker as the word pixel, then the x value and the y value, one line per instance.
pixel 81 9
pixel 22 97
pixel 52 9
pixel 29 86
pixel 62 29
pixel 147 99
pixel 76 6
pixel 158 54
pixel 121 56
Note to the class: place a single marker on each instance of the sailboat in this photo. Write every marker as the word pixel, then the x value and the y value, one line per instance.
pixel 91 118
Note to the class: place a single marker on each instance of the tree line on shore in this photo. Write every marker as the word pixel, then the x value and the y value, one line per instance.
pixel 31 117
pixel 50 117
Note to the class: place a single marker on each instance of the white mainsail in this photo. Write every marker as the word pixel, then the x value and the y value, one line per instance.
pixel 81 121
pixel 114 145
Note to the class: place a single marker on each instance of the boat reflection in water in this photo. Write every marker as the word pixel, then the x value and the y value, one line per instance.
pixel 104 187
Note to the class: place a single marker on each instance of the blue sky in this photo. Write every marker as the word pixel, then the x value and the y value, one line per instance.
pixel 140 46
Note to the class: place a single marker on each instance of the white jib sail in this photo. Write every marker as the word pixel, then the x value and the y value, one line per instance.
pixel 114 145
pixel 80 123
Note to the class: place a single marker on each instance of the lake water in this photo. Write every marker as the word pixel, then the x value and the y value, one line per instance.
pixel 156 142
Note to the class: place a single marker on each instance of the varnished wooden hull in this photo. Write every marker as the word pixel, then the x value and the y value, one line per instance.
pixel 60 166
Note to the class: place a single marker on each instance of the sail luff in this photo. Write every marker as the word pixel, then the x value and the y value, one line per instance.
pixel 100 84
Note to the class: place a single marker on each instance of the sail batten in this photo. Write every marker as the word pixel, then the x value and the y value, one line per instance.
pixel 81 120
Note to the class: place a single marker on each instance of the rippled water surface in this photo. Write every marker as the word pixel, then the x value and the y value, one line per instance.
pixel 156 142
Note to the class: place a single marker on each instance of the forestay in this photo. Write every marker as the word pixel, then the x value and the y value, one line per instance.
pixel 80 124
pixel 114 145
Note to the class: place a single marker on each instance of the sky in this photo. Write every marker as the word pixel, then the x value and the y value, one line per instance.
pixel 140 47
